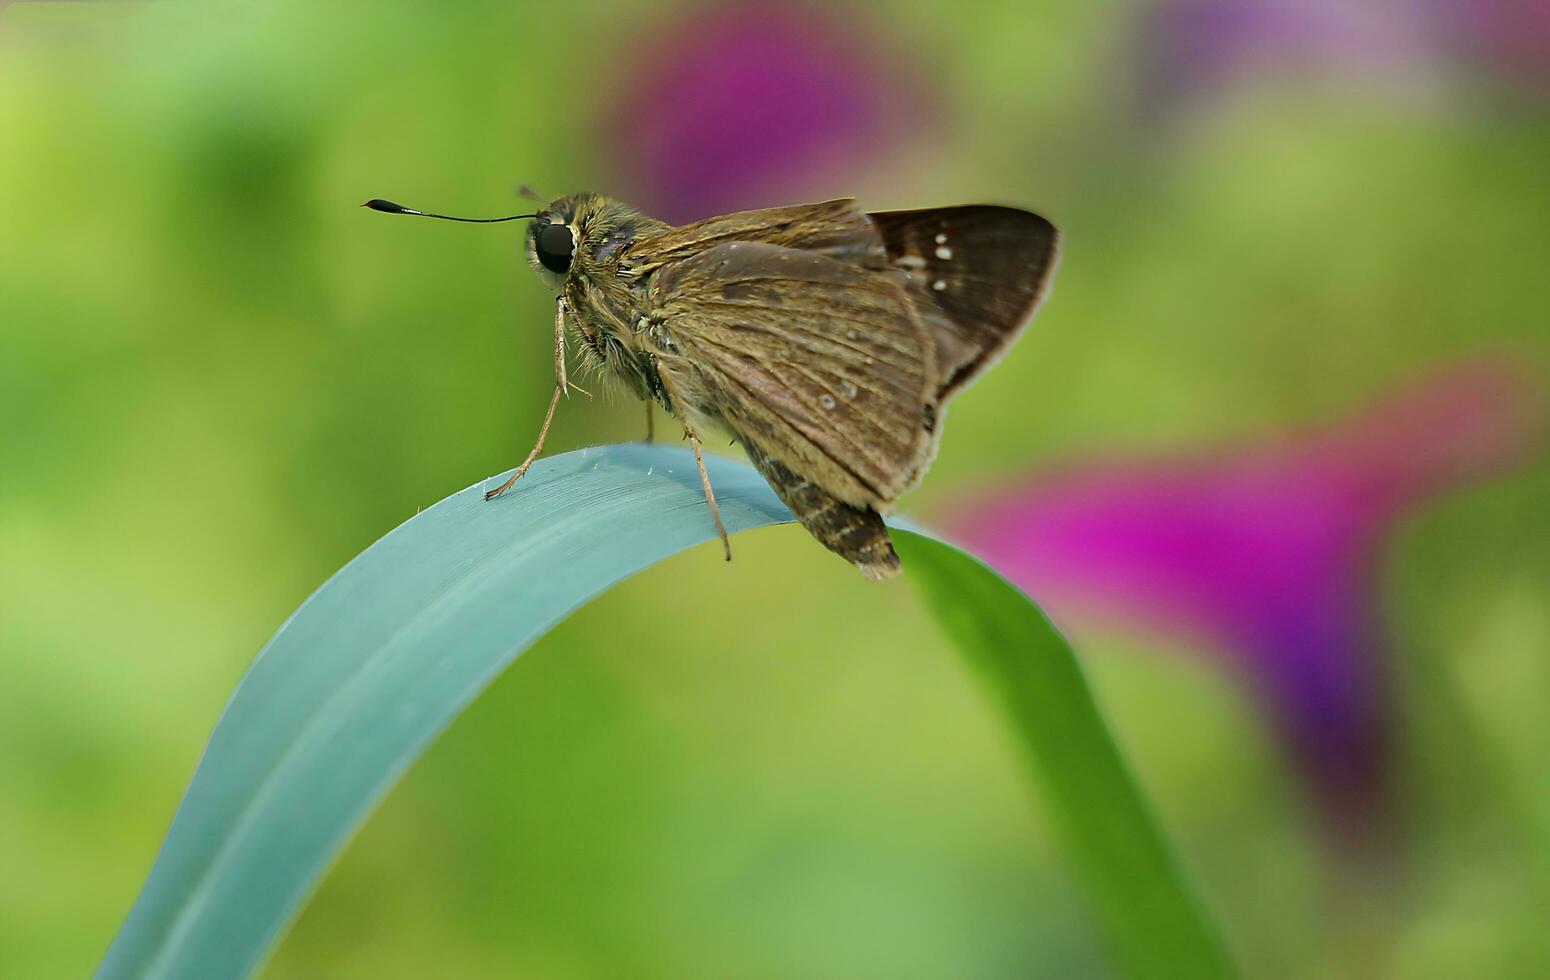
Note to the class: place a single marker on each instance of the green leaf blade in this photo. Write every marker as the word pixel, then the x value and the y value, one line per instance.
pixel 1152 920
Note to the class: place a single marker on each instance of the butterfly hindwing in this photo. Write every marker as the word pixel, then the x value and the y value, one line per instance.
pixel 821 362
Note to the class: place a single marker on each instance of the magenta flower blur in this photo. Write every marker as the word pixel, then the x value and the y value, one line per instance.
pixel 737 105
pixel 1270 553
pixel 1510 38
pixel 1193 51
pixel 1189 50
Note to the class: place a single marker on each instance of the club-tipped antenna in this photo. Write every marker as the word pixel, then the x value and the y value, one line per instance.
pixel 378 204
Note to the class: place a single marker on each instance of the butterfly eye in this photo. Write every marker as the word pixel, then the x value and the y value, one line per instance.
pixel 554 245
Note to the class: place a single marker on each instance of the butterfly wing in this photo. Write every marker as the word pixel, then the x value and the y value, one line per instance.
pixel 820 363
pixel 827 341
pixel 976 276
pixel 837 229
pixel 975 273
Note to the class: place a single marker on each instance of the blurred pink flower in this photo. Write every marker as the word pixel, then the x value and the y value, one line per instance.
pixel 732 105
pixel 1192 51
pixel 1269 553
pixel 1509 37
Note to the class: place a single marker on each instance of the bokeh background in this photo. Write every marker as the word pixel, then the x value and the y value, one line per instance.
pixel 1301 317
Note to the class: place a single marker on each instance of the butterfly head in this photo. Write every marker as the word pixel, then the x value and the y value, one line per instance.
pixel 581 233
pixel 552 237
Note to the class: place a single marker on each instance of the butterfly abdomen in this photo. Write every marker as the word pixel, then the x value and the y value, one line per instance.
pixel 856 534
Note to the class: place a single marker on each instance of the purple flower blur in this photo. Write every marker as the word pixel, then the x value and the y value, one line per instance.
pixel 738 105
pixel 1189 50
pixel 1270 554
pixel 1193 51
pixel 1508 37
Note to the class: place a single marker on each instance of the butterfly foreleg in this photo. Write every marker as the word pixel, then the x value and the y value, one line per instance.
pixel 561 384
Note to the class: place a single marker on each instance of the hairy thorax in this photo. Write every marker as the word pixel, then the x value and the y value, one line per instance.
pixel 605 299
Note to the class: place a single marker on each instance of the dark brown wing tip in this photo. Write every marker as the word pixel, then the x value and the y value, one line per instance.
pixel 1052 244
pixel 1051 263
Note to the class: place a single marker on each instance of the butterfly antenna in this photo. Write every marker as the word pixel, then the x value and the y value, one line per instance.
pixel 378 204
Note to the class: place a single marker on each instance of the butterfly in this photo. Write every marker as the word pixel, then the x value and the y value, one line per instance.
pixel 826 340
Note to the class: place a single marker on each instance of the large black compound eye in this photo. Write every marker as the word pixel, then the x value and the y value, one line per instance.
pixel 555 245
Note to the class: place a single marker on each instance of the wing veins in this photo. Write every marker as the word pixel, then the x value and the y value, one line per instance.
pixel 816 411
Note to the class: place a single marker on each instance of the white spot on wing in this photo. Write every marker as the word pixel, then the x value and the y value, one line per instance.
pixel 941 239
pixel 911 262
pixel 939 285
pixel 943 252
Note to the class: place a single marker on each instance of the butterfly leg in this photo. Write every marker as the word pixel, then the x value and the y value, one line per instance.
pixel 675 398
pixel 710 495
pixel 561 383
pixel 650 422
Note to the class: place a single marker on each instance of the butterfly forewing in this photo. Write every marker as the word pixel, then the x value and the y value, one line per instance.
pixel 976 275
pixel 837 229
pixel 820 363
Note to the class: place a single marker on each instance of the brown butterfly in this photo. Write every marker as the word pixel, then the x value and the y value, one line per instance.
pixel 826 340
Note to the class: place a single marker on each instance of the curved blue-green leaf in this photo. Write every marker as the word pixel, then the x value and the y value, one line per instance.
pixel 355 685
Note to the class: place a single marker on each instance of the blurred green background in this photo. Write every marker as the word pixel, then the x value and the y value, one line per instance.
pixel 220 380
